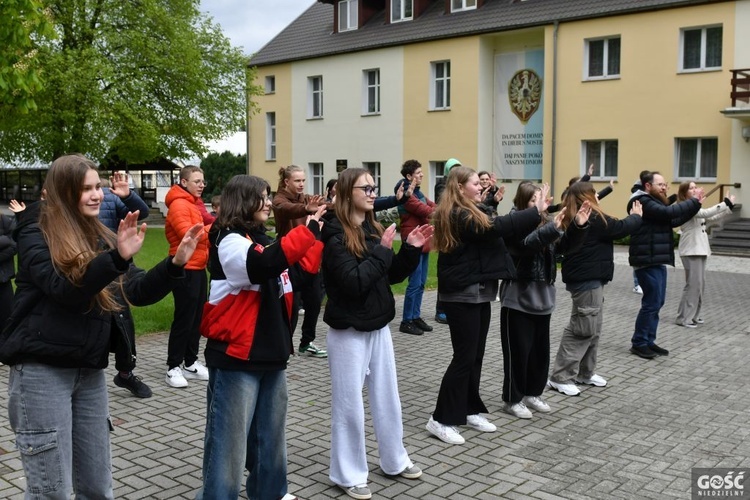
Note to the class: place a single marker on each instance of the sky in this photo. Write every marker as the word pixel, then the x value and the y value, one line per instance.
pixel 250 24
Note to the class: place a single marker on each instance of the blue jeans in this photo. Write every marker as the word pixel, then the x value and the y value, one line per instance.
pixel 415 289
pixel 653 281
pixel 62 427
pixel 245 428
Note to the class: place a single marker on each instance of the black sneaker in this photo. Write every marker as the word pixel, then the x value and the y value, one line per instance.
pixel 419 322
pixel 643 351
pixel 660 351
pixel 133 384
pixel 410 328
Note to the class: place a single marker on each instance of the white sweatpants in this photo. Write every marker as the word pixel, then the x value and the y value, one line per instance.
pixel 354 358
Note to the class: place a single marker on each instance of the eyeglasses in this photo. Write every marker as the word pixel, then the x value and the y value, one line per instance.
pixel 199 183
pixel 265 198
pixel 369 190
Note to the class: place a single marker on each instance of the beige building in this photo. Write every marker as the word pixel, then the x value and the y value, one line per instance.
pixel 528 89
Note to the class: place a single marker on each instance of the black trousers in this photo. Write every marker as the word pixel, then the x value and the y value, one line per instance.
pixel 459 390
pixel 525 340
pixel 184 335
pixel 311 298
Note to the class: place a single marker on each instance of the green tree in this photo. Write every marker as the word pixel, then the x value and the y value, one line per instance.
pixel 135 80
pixel 24 24
pixel 219 168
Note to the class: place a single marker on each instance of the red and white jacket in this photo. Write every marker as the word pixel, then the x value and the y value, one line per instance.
pixel 247 318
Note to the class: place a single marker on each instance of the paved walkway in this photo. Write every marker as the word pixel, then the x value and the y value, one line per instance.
pixel 637 438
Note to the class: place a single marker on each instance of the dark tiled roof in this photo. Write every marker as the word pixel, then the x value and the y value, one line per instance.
pixel 311 34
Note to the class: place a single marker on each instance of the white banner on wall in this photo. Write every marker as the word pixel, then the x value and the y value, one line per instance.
pixel 519 115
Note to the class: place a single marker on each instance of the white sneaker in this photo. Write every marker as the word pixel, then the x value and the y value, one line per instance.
pixel 517 410
pixel 479 423
pixel 536 403
pixel 595 379
pixel 567 389
pixel 637 289
pixel 446 433
pixel 175 378
pixel 196 371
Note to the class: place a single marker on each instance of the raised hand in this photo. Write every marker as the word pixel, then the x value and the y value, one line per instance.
pixel 582 217
pixel 637 208
pixel 16 206
pixel 591 170
pixel 500 194
pixel 388 235
pixel 543 201
pixel 612 184
pixel 731 197
pixel 319 212
pixel 493 179
pixel 420 235
pixel 187 245
pixel 120 185
pixel 313 203
pixel 700 194
pixel 559 217
pixel 400 191
pixel 130 236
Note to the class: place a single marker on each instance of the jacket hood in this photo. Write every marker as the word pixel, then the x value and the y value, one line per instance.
pixel 638 193
pixel 178 192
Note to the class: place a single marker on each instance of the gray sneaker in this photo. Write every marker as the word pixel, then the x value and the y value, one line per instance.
pixel 361 492
pixel 412 472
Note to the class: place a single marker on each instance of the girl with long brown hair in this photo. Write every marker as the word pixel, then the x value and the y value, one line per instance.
pixel 471 260
pixel 529 299
pixel 74 276
pixel 359 265
pixel 585 273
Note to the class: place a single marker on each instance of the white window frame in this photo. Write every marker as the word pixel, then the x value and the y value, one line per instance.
pixel 461 5
pixel 605 59
pixel 271 136
pixel 374 168
pixel 440 86
pixel 699 168
pixel 437 168
pixel 600 167
pixel 348 15
pixel 371 103
pixel 316 174
pixel 401 5
pixel 703 50
pixel 315 97
pixel 270 85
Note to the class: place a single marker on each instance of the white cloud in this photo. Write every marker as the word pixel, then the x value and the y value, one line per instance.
pixel 252 24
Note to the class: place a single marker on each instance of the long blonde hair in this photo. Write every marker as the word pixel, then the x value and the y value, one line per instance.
pixel 74 239
pixel 354 236
pixel 579 192
pixel 453 201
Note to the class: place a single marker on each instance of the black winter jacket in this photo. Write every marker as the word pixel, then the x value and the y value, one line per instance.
pixel 481 255
pixel 53 321
pixel 653 243
pixel 535 256
pixel 7 249
pixel 359 289
pixel 594 260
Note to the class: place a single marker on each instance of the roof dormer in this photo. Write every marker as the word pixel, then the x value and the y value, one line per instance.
pixel 350 15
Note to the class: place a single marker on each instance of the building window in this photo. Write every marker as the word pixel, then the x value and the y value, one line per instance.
pixel 374 168
pixel 697 158
pixel 603 155
pixel 347 15
pixel 317 179
pixel 270 136
pixel 315 97
pixel 459 5
pixel 603 58
pixel 270 84
pixel 440 90
pixel 371 91
pixel 437 168
pixel 701 48
pixel 402 10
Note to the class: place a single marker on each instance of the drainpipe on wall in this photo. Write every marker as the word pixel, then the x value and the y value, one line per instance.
pixel 554 108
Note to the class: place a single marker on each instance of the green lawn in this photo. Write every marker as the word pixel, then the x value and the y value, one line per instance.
pixel 158 317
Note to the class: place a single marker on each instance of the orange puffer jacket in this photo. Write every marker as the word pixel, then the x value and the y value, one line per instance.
pixel 182 215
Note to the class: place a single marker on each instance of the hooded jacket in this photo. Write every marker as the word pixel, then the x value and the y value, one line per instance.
pixel 56 322
pixel 247 318
pixel 7 249
pixel 653 243
pixel 182 215
pixel 359 288
pixel 289 210
pixel 693 236
pixel 113 208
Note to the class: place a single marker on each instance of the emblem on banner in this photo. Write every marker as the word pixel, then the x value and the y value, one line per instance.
pixel 524 94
